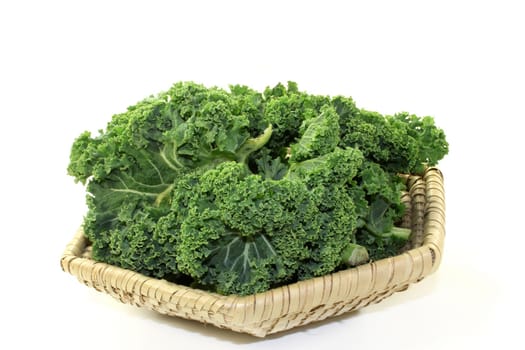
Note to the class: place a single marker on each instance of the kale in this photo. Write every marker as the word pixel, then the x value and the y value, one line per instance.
pixel 240 191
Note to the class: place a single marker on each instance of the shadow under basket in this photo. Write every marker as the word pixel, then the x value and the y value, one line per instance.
pixel 295 304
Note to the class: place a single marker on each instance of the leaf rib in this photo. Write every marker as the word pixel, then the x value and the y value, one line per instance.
pixel 127 190
pixel 168 162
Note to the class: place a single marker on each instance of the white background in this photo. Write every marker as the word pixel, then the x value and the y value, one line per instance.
pixel 66 67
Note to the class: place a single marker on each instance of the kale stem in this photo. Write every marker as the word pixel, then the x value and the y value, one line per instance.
pixel 253 144
pixel 397 232
pixel 354 254
pixel 400 233
pixel 163 195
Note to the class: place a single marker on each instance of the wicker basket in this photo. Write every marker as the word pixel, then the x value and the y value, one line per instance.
pixel 292 305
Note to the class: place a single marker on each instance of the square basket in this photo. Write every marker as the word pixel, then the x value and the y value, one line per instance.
pixel 295 304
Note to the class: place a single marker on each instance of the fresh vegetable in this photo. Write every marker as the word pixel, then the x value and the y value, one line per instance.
pixel 239 191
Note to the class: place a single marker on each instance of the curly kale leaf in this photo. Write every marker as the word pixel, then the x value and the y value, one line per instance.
pixel 432 145
pixel 243 234
pixel 376 195
pixel 286 110
pixel 400 144
pixel 318 136
pixel 381 141
pixel 132 166
pixel 331 169
pixel 250 103
pixel 124 208
pixel 327 178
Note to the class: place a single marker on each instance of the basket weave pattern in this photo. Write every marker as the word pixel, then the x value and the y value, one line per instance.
pixel 292 305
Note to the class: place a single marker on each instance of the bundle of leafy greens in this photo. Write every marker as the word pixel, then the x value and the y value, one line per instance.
pixel 239 191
